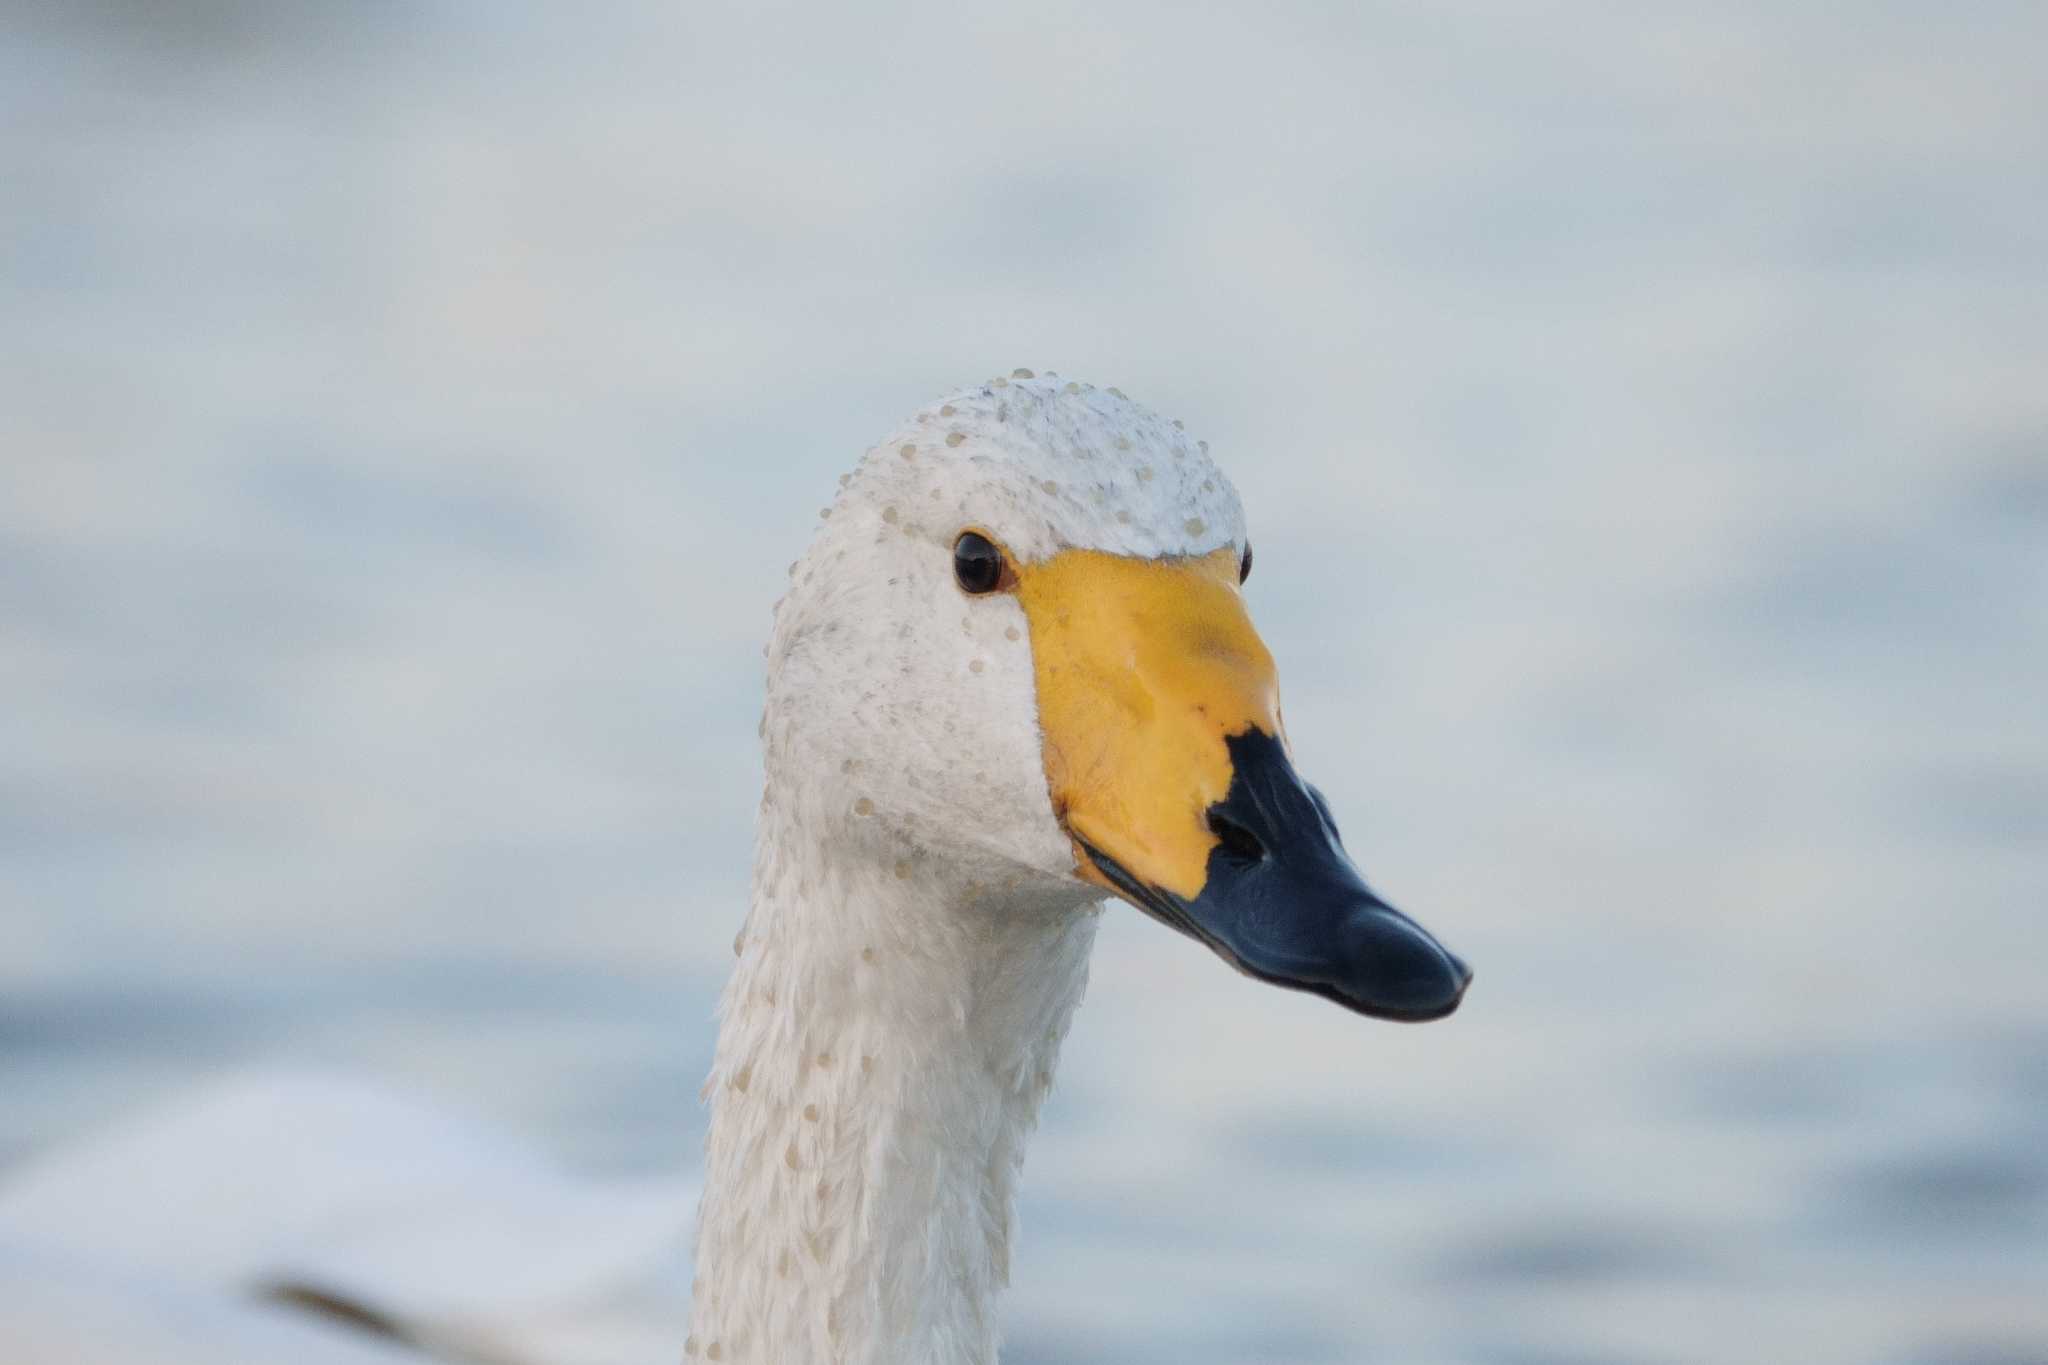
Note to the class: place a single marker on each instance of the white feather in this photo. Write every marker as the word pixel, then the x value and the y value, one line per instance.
pixel 452 1233
pixel 917 941
pixel 80 1311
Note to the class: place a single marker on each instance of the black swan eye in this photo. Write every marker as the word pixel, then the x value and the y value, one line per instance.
pixel 1244 567
pixel 977 563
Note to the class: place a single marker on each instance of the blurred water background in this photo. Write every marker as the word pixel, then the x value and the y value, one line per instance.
pixel 407 413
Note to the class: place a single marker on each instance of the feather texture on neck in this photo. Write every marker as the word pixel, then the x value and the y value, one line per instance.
pixel 885 1043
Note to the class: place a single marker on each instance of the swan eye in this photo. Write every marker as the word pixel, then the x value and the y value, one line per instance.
pixel 977 563
pixel 1244 567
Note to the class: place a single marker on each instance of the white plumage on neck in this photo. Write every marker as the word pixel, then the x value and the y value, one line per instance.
pixel 884 1047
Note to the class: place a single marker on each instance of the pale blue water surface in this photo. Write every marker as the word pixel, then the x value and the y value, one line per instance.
pixel 407 413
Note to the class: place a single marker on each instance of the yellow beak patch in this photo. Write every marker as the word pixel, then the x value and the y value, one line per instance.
pixel 1143 667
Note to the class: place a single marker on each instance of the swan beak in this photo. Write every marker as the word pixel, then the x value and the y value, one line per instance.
pixel 1169 770
pixel 1282 903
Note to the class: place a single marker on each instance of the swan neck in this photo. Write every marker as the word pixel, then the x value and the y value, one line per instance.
pixel 885 1042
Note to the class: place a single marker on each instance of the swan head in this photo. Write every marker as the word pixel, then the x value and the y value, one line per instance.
pixel 1017 657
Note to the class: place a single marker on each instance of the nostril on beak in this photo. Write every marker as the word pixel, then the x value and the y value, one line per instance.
pixel 1237 841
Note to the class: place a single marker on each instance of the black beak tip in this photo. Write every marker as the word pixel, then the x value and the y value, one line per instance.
pixel 1401 973
pixel 1448 990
